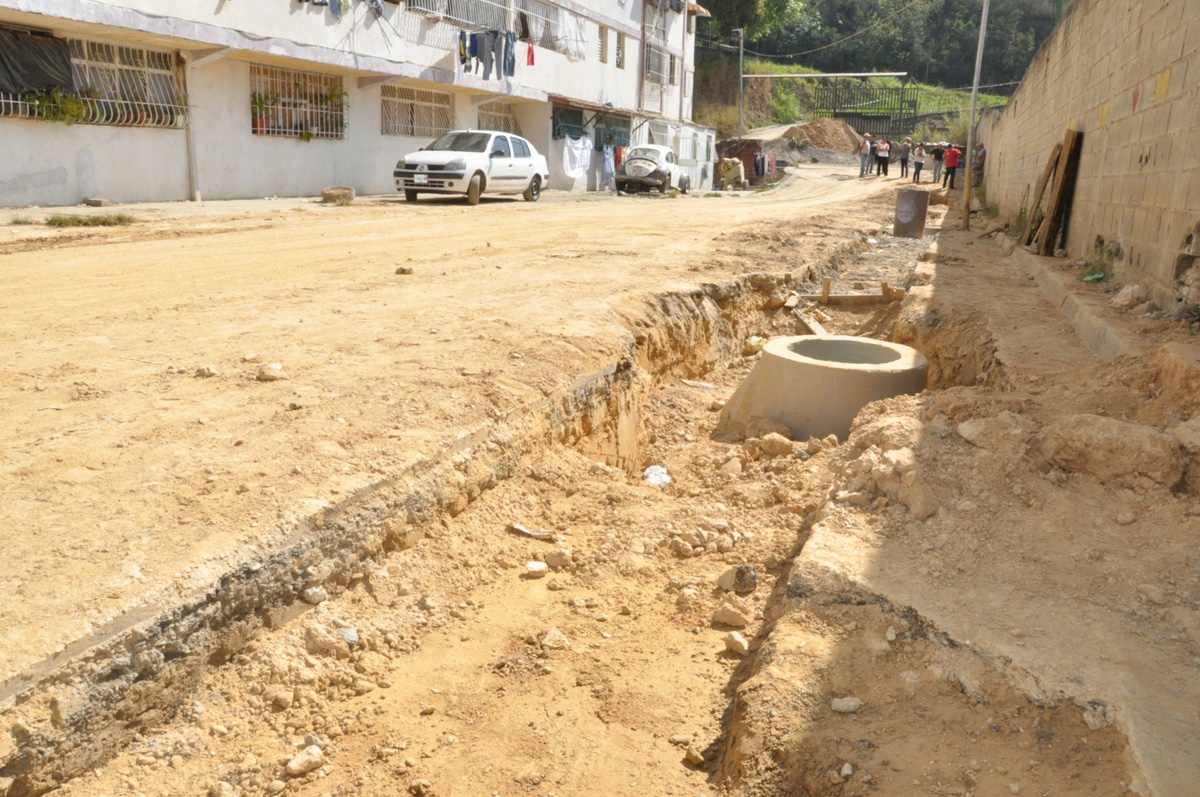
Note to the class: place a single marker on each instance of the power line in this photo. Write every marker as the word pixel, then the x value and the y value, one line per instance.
pixel 875 24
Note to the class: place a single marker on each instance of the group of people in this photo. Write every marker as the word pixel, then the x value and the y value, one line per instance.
pixel 946 158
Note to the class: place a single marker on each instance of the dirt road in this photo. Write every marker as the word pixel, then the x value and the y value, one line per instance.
pixel 131 481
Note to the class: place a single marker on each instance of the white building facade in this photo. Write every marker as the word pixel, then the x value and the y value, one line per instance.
pixel 224 99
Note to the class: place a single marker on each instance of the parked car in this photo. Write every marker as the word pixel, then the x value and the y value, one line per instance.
pixel 650 166
pixel 471 163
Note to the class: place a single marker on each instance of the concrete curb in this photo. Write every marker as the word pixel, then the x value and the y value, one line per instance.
pixel 1102 338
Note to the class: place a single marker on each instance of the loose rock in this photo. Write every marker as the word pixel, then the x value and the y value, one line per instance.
pixel 314 595
pixel 846 705
pixel 736 643
pixel 729 616
pixel 555 640
pixel 740 579
pixel 694 756
pixel 775 445
pixel 272 372
pixel 537 569
pixel 306 760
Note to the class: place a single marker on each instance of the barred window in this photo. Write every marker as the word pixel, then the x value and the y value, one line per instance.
pixel 416 112
pixel 115 85
pixel 602 40
pixel 499 116
pixel 552 27
pixel 289 102
pixel 486 14
pixel 657 65
pixel 620 51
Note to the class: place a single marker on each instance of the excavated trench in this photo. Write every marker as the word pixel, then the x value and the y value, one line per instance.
pixel 72 714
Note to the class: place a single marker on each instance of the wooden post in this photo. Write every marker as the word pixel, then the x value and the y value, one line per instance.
pixel 1039 192
pixel 825 290
pixel 886 291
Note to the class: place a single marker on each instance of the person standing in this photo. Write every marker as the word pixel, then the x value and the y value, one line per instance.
pixel 977 164
pixel 873 162
pixel 884 154
pixel 918 162
pixel 864 155
pixel 938 153
pixel 953 154
pixel 902 153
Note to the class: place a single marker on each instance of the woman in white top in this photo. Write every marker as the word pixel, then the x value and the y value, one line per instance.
pixel 883 155
pixel 918 161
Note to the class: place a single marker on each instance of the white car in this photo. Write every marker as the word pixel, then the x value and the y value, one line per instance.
pixel 473 162
pixel 649 166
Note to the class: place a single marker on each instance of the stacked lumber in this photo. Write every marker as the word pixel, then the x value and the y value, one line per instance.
pixel 1045 229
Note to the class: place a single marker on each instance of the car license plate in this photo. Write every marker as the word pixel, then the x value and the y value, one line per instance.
pixel 420 179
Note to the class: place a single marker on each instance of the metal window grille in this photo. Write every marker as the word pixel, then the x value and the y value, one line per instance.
pixel 550 26
pixel 673 72
pixel 620 59
pixel 657 65
pixel 602 40
pixel 116 85
pixel 417 113
pixel 499 116
pixel 481 14
pixel 289 102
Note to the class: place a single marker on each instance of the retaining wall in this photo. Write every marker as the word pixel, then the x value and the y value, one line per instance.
pixel 1128 76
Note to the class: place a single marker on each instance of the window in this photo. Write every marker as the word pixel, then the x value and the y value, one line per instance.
pixel 672 75
pixel 568 122
pixel 498 116
pixel 304 105
pixel 613 131
pixel 603 41
pixel 552 27
pixel 620 59
pixel 416 112
pixel 114 85
pixel 521 147
pixel 657 65
pixel 500 147
pixel 484 14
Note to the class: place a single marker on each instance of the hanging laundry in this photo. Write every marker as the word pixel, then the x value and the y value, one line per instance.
pixel 618 157
pixel 577 156
pixel 336 7
pixel 464 56
pixel 510 53
pixel 375 5
pixel 608 166
pixel 529 56
pixel 487 46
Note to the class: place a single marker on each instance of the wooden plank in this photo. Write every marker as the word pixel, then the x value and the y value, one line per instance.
pixel 1038 192
pixel 1048 232
pixel 825 290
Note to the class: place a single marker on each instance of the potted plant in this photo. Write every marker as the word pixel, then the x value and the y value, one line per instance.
pixel 258 113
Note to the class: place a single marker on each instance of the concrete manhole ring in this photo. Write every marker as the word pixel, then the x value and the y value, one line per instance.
pixel 817 384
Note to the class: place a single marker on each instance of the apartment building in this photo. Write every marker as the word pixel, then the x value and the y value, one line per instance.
pixel 148 100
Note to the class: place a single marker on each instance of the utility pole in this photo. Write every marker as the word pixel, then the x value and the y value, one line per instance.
pixel 969 155
pixel 741 34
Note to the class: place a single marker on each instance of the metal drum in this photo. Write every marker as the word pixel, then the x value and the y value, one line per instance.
pixel 912 204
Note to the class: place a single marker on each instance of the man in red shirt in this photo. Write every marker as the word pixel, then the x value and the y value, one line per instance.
pixel 953 156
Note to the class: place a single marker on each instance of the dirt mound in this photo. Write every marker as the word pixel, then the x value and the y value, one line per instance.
pixel 826 134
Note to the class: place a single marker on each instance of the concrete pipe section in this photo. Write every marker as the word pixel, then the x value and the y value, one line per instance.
pixel 816 385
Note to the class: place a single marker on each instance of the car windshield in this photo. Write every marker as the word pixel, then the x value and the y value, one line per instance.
pixel 461 142
pixel 644 152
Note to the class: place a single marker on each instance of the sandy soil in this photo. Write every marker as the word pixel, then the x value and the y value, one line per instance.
pixel 1000 572
pixel 130 480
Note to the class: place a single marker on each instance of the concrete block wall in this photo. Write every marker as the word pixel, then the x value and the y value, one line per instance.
pixel 1127 75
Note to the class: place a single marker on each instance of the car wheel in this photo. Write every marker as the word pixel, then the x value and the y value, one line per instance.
pixel 473 189
pixel 664 185
pixel 410 195
pixel 684 184
pixel 534 191
pixel 620 187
